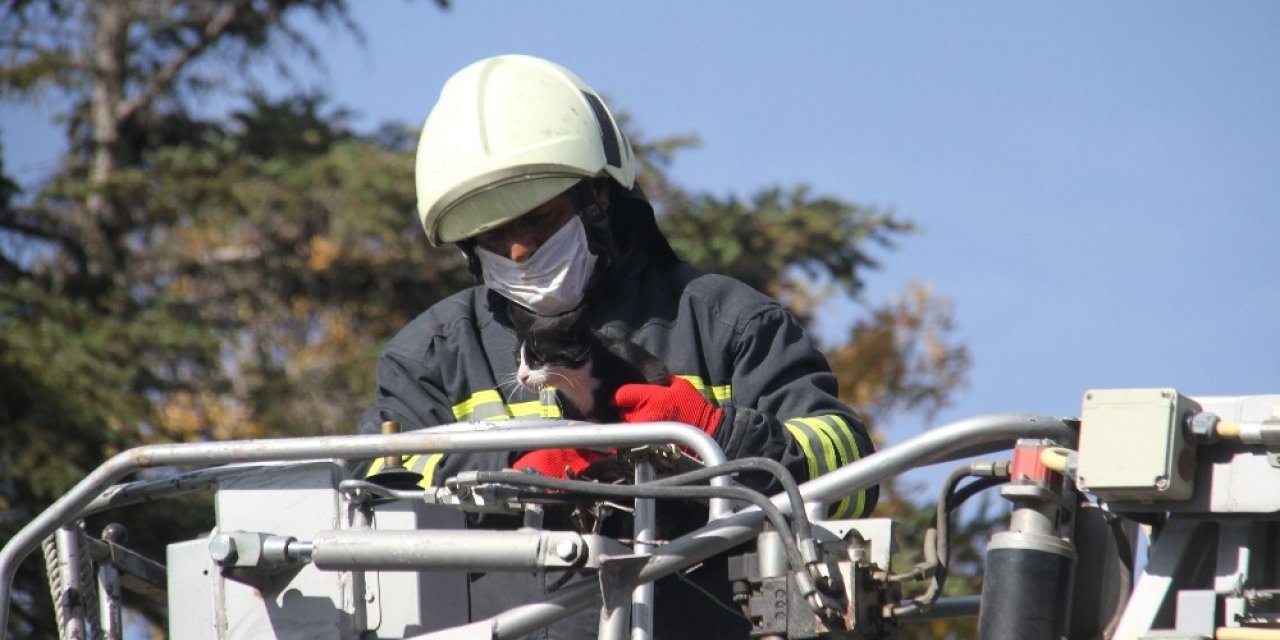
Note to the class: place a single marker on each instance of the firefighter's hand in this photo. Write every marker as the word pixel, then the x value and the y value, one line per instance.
pixel 556 463
pixel 678 402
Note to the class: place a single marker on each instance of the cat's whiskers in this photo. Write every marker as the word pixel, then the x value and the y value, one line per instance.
pixel 510 380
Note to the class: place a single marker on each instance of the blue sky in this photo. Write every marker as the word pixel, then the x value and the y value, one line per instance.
pixel 1097 183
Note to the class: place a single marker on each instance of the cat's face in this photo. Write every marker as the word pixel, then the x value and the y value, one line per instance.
pixel 555 351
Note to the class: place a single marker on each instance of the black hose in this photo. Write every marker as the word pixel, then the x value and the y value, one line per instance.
pixel 936 564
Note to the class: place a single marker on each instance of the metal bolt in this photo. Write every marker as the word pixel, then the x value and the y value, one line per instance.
pixel 222 548
pixel 115 533
pixel 567 550
pixel 1203 427
pixel 1162 483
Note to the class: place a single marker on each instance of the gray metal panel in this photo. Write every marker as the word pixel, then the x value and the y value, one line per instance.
pixel 404 603
pixel 190 586
pixel 1230 477
pixel 1197 612
pixel 301 603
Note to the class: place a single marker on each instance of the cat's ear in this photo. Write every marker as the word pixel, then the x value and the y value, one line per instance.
pixel 521 318
pixel 574 320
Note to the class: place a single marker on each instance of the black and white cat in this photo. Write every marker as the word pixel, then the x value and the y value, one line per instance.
pixel 584 365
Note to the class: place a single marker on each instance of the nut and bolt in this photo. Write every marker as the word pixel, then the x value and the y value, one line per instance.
pixel 567 550
pixel 1203 427
pixel 222 548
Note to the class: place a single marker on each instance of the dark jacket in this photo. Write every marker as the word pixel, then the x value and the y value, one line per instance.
pixel 741 348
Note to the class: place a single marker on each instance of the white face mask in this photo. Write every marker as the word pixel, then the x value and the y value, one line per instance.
pixel 553 280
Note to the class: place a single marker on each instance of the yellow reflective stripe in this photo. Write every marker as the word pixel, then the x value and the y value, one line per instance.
pixel 429 469
pixel 860 506
pixel 722 392
pixel 533 409
pixel 802 438
pixel 836 454
pixel 420 463
pixel 835 435
pixel 467 408
pixel 719 393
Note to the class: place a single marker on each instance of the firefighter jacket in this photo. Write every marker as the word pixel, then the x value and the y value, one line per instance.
pixel 742 349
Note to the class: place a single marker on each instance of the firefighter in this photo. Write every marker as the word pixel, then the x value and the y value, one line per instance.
pixel 522 167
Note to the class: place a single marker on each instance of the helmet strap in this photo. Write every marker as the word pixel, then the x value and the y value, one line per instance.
pixel 596 221
pixel 468 249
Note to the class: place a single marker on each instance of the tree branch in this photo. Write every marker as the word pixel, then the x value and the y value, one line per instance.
pixel 9 270
pixel 165 77
pixel 29 225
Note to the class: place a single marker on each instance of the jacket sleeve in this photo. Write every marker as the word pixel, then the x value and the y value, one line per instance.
pixel 409 393
pixel 783 405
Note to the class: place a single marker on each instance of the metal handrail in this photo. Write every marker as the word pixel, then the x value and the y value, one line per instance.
pixel 462 437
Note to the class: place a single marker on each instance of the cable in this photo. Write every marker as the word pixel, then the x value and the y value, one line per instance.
pixel 771 511
pixel 937 548
pixel 800 519
pixel 804 581
pixel 49 547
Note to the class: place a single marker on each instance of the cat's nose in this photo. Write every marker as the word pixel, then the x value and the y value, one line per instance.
pixel 523 378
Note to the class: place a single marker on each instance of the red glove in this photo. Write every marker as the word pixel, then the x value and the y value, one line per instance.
pixel 557 463
pixel 678 402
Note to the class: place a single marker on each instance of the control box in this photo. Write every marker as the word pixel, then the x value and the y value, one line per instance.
pixel 1134 445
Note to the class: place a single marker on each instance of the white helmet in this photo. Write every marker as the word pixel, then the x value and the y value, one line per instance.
pixel 510 133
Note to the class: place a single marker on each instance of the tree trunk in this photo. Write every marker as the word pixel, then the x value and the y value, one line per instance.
pixel 110 22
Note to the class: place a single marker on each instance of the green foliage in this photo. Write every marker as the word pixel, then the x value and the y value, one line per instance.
pixel 182 279
pixel 779 235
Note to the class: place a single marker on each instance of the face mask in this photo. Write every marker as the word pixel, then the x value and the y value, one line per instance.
pixel 553 280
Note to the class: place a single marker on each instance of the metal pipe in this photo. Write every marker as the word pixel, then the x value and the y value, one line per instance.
pixel 446 549
pixel 646 531
pixel 944 607
pixel 72 600
pixel 977 435
pixel 109 618
pixel 483 437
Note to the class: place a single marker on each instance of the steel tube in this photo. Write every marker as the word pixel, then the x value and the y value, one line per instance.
pixel 646 531
pixel 976 436
pixel 109 618
pixel 72 598
pixel 452 439
pixel 444 549
pixel 944 607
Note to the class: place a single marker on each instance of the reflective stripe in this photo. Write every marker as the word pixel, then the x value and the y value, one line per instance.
pixel 719 394
pixel 860 506
pixel 838 434
pixel 425 464
pixel 804 437
pixel 828 444
pixel 533 409
pixel 482 405
pixel 835 451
